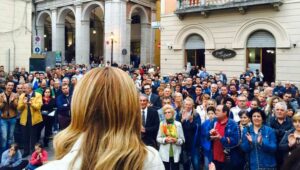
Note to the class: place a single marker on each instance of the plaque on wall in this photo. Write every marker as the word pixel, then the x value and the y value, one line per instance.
pixel 224 53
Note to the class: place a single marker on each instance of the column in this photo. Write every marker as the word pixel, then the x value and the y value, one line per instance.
pixel 80 56
pixel 152 42
pixel 85 40
pixel 115 21
pixel 128 42
pixel 60 40
pixel 145 43
pixel 53 28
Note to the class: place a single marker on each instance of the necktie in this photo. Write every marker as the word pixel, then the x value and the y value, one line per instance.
pixel 143 118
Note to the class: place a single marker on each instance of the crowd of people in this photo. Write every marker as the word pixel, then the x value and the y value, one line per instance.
pixel 193 118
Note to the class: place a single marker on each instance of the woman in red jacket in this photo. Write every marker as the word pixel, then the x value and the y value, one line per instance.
pixel 38 158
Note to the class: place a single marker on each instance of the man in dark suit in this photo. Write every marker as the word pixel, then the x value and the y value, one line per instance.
pixel 154 99
pixel 214 93
pixel 150 122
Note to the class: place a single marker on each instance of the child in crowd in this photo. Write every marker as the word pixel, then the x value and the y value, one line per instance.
pixel 38 158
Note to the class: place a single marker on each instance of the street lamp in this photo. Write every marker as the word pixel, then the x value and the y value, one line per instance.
pixel 112 47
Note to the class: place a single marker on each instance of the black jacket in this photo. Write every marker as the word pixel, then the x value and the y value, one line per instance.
pixel 155 100
pixel 151 127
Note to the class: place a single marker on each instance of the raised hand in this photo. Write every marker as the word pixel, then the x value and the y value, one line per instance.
pixel 249 137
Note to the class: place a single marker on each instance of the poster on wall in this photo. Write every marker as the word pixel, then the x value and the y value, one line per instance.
pixel 254 66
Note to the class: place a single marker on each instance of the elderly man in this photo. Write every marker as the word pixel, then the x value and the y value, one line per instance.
pixel 8 107
pixel 29 105
pixel 150 122
pixel 189 89
pixel 280 123
pixel 214 93
pixel 167 92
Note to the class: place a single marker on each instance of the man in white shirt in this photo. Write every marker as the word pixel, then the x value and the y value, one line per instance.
pixel 242 100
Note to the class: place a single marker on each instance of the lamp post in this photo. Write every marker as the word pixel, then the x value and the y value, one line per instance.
pixel 112 48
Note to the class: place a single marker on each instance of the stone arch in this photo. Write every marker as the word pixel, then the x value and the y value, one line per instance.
pixel 40 20
pixel 63 12
pixel 249 27
pixel 143 14
pixel 200 30
pixel 88 9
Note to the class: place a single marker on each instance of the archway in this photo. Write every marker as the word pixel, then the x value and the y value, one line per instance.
pixel 140 32
pixel 261 54
pixel 93 32
pixel 66 34
pixel 194 51
pixel 44 30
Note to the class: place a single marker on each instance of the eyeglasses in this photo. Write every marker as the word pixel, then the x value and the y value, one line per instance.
pixel 146 88
pixel 167 112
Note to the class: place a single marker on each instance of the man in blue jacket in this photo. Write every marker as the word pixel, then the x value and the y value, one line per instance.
pixel 225 138
pixel 63 103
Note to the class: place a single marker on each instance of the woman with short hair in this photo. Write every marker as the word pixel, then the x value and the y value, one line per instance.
pixel 105 129
pixel 170 137
pixel 191 124
pixel 259 142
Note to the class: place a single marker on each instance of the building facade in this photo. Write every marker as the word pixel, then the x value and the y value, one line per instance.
pixel 15 33
pixel 103 30
pixel 262 34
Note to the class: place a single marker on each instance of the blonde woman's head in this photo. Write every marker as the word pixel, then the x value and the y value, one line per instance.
pixel 168 111
pixel 105 110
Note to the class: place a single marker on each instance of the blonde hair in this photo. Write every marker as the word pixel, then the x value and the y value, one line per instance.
pixel 168 107
pixel 296 117
pixel 106 113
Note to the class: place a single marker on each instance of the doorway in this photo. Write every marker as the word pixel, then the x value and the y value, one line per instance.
pixel 195 57
pixel 261 54
pixel 263 59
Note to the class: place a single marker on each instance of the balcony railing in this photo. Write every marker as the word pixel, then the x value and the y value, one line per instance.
pixel 190 6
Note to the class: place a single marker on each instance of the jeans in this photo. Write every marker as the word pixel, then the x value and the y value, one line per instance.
pixel 7 132
pixel 31 167
pixel 195 161
pixel 206 163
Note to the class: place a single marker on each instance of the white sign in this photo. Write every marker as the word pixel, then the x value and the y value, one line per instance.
pixel 155 25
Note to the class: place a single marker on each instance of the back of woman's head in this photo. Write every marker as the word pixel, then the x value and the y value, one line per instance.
pixel 105 111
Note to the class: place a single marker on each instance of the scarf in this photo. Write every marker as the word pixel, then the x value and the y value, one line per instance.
pixel 46 100
pixel 168 128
